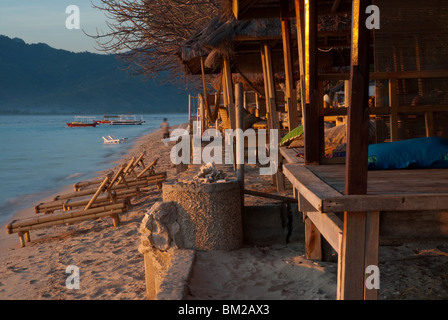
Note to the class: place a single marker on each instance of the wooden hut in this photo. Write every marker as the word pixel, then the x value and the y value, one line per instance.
pixel 348 206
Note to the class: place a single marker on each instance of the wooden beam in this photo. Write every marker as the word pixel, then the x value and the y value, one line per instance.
pixel 393 103
pixel 372 249
pixel 329 225
pixel 354 234
pixel 269 195
pixel 291 97
pixel 271 104
pixel 311 110
pixel 313 244
pixel 386 202
pixel 240 140
pixel 358 112
pixel 424 74
pixel 429 124
pixel 352 256
pixel 300 23
pixel 227 73
pixel 335 6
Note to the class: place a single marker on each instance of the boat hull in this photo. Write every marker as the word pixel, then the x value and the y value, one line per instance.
pixel 124 123
pixel 74 125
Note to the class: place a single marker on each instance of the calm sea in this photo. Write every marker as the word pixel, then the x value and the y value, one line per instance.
pixel 39 154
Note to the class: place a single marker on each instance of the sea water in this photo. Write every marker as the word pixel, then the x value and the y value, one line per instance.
pixel 40 154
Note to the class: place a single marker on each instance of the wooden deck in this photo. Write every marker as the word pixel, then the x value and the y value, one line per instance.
pixel 388 190
pixel 321 198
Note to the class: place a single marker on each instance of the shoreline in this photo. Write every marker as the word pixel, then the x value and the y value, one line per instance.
pixel 52 249
pixel 49 194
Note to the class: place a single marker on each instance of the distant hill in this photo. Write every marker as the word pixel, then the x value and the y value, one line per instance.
pixel 35 78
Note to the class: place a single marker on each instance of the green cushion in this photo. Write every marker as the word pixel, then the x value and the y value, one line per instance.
pixel 291 135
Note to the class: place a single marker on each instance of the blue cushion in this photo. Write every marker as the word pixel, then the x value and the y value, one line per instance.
pixel 429 152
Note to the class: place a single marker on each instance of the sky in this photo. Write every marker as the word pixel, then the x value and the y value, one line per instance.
pixel 44 21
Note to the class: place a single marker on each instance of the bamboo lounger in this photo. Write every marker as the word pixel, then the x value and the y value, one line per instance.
pixel 68 202
pixel 147 171
pixel 117 190
pixel 23 227
pixel 94 208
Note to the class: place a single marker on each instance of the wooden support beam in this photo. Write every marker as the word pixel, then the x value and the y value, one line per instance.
pixel 313 245
pixel 271 105
pixel 300 22
pixel 429 124
pixel 269 195
pixel 291 97
pixel 329 225
pixel 311 110
pixel 393 103
pixel 352 256
pixel 240 140
pixel 354 233
pixel 335 6
pixel 372 249
pixel 228 84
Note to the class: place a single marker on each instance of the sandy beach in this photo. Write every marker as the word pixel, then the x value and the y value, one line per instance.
pixel 111 267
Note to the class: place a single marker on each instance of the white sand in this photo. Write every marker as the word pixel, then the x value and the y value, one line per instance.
pixel 112 268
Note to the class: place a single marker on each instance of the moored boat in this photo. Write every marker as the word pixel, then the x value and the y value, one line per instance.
pixel 122 119
pixel 127 120
pixel 81 121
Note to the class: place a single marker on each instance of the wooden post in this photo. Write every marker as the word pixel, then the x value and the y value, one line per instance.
pixel 372 248
pixel 291 100
pixel 311 110
pixel 299 6
pixel 313 248
pixel 347 93
pixel 240 139
pixel 352 273
pixel 22 240
pixel 189 108
pixel 257 106
pixel 429 123
pixel 271 105
pixel 229 90
pixel 393 102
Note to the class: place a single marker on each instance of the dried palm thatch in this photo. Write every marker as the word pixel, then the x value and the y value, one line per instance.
pixel 219 39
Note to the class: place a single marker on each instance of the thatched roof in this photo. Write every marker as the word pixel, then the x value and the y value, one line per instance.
pixel 228 37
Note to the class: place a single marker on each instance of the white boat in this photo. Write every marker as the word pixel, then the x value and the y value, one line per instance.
pixel 127 120
pixel 114 140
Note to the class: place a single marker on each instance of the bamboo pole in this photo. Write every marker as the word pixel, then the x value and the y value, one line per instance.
pixel 227 73
pixel 77 186
pixel 22 241
pixel 127 169
pixel 100 189
pixel 149 168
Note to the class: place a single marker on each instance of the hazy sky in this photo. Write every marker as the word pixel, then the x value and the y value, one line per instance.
pixel 44 21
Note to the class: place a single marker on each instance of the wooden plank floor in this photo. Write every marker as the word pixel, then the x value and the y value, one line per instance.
pixel 290 154
pixel 388 181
